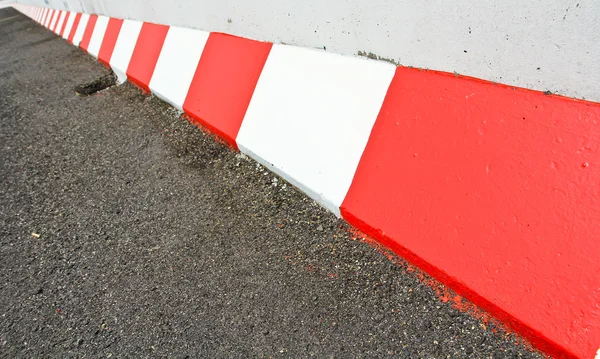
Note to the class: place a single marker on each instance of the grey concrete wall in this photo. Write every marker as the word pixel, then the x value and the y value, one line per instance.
pixel 540 44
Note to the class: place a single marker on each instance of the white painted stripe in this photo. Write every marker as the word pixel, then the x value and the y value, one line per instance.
pixel 130 30
pixel 69 25
pixel 48 17
pixel 598 354
pixel 54 20
pixel 177 64
pixel 310 118
pixel 61 20
pixel 80 29
pixel 98 35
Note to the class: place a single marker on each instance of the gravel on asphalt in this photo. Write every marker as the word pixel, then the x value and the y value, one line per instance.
pixel 125 231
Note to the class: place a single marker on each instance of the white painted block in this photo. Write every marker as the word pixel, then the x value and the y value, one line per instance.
pixel 130 30
pixel 177 64
pixel 310 118
pixel 98 35
pixel 80 29
pixel 69 25
pixel 54 19
pixel 61 21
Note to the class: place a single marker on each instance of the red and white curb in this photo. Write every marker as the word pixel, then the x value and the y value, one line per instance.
pixel 493 190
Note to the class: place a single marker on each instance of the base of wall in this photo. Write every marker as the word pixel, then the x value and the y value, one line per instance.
pixel 491 189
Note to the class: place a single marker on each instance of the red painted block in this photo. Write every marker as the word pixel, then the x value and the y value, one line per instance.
pixel 496 192
pixel 64 24
pixel 110 39
pixel 146 52
pixel 87 33
pixel 224 82
pixel 74 27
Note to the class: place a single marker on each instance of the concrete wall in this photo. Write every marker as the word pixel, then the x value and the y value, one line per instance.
pixel 540 44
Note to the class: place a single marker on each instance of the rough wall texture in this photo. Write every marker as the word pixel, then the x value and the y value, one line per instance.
pixel 548 45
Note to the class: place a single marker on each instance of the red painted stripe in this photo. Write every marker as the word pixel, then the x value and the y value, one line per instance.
pixel 58 13
pixel 87 33
pixel 74 27
pixel 145 55
pixel 224 82
pixel 494 191
pixel 64 24
pixel 110 39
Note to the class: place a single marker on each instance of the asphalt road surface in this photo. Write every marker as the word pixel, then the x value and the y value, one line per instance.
pixel 157 241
